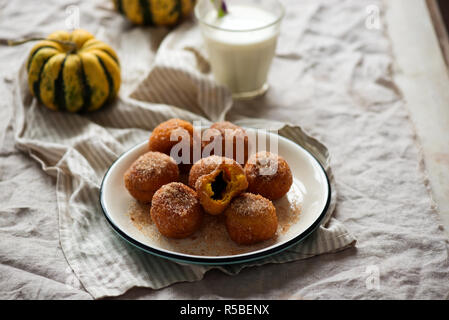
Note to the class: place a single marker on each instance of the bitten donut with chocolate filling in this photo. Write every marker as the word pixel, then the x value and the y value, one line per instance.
pixel 168 134
pixel 216 189
pixel 148 173
pixel 176 211
pixel 205 166
pixel 227 134
pixel 251 219
pixel 268 174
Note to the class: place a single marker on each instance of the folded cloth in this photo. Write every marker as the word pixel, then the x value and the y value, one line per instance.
pixel 78 149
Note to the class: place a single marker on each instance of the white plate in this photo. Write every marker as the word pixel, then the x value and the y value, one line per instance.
pixel 311 186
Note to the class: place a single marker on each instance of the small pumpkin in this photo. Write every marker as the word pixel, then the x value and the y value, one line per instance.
pixel 73 71
pixel 155 12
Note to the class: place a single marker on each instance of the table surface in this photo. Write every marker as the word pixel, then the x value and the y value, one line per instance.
pixel 422 76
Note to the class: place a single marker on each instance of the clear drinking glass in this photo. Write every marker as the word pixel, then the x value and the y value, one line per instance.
pixel 241 45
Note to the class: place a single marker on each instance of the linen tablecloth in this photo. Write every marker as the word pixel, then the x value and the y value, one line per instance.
pixel 332 76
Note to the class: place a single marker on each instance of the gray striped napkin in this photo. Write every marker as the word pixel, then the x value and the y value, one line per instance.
pixel 78 149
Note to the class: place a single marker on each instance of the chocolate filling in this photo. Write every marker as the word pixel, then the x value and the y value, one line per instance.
pixel 219 186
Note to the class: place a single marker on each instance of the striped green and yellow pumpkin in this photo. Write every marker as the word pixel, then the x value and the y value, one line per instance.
pixel 155 12
pixel 73 72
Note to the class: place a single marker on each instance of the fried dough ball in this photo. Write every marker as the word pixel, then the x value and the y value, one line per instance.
pixel 216 189
pixel 182 131
pixel 148 173
pixel 205 166
pixel 268 174
pixel 226 133
pixel 176 211
pixel 250 219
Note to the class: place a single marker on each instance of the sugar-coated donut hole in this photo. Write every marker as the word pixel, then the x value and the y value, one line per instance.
pixel 148 173
pixel 250 219
pixel 176 210
pixel 263 180
pixel 161 139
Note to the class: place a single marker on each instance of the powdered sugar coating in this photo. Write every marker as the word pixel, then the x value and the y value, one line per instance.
pixel 251 205
pixel 152 164
pixel 168 134
pixel 176 211
pixel 251 219
pixel 160 137
pixel 268 174
pixel 148 173
pixel 176 198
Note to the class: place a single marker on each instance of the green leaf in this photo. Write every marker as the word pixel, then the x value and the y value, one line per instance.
pixel 220 5
pixel 221 13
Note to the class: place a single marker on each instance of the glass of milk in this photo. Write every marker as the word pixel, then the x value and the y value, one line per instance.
pixel 241 44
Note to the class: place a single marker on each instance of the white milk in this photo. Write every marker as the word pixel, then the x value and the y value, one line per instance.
pixel 240 59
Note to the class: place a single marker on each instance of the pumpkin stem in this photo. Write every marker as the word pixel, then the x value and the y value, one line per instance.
pixel 10 42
